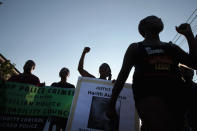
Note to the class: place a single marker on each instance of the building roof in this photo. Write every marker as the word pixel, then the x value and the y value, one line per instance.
pixel 3 59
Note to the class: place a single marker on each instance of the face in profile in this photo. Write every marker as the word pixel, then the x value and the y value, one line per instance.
pixel 33 67
pixel 105 70
pixel 29 66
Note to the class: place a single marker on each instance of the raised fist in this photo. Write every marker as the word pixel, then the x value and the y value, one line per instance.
pixel 184 29
pixel 86 49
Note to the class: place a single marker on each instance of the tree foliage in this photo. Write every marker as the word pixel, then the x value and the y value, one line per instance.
pixel 6 69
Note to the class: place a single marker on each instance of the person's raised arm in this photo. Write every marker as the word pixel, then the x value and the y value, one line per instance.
pixel 186 30
pixel 81 70
pixel 185 58
pixel 123 75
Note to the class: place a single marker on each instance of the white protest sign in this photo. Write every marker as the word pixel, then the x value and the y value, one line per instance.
pixel 90 103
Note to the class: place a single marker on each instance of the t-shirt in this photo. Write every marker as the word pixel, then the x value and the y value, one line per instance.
pixel 25 78
pixel 156 69
pixel 65 85
pixel 156 62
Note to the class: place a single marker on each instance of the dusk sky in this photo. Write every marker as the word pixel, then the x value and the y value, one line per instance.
pixel 53 33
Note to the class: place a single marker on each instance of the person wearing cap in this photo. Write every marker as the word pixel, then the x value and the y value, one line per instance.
pixel 104 69
pixel 157 82
pixel 27 76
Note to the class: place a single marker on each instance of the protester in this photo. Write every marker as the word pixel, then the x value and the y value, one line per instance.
pixel 27 76
pixel 191 97
pixel 157 83
pixel 104 69
pixel 61 122
pixel 64 73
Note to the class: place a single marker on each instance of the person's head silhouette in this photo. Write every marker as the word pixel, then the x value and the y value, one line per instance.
pixel 29 66
pixel 105 71
pixel 27 76
pixel 64 73
pixel 150 25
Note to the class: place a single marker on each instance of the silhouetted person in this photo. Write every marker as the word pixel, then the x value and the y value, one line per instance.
pixel 64 73
pixel 104 69
pixel 61 122
pixel 157 83
pixel 27 76
pixel 191 93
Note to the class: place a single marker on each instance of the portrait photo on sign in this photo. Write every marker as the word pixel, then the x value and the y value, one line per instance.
pixel 98 118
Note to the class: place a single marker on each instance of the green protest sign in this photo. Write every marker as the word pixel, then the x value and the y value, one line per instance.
pixel 26 106
pixel 24 99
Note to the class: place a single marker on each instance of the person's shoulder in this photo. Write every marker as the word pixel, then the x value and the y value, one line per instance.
pixel 70 85
pixel 134 45
pixel 55 84
pixel 174 47
pixel 133 48
pixel 35 77
pixel 14 77
pixel 170 44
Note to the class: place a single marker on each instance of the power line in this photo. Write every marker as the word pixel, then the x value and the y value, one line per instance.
pixel 191 15
pixel 194 29
pixel 193 19
pixel 186 22
pixel 182 42
pixel 189 23
pixel 177 38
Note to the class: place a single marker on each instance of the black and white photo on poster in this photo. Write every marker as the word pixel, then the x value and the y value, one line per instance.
pixel 98 118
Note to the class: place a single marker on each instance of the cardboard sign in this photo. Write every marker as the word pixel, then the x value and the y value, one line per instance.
pixel 90 103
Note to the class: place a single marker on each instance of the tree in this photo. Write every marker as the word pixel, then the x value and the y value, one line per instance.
pixel 6 69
